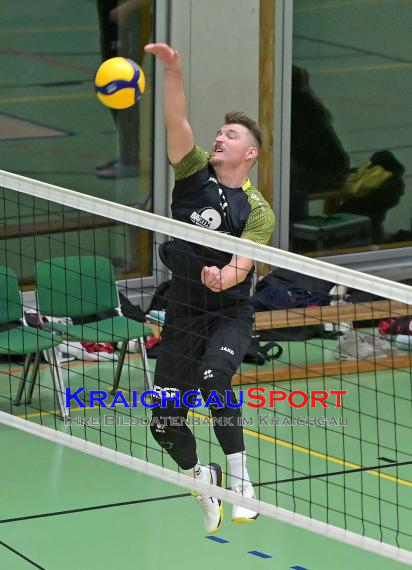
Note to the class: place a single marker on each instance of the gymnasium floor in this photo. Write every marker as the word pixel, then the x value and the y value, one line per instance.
pixel 41 478
pixel 60 134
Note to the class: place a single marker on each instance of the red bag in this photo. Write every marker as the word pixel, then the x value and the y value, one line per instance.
pixel 401 325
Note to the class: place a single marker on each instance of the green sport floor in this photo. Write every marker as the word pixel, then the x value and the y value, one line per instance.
pixel 48 55
pixel 64 509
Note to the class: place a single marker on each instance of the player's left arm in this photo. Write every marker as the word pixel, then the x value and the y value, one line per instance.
pixel 258 228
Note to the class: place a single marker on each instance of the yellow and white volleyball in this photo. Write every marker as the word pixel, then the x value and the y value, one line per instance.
pixel 119 82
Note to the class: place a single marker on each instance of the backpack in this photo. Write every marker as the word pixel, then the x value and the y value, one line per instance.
pixel 257 354
pixel 401 325
pixel 159 300
pixel 282 296
pixel 131 311
pixel 286 289
pixel 377 186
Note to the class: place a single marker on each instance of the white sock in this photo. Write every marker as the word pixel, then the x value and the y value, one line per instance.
pixel 238 469
pixel 198 472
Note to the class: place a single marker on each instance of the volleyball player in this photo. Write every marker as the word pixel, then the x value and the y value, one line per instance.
pixel 209 317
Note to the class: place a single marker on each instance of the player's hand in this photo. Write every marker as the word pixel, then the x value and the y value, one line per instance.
pixel 211 277
pixel 168 57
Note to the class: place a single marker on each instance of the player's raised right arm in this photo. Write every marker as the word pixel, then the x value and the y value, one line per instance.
pixel 180 140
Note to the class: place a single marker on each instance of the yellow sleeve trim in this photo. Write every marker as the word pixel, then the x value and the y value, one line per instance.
pixel 247 184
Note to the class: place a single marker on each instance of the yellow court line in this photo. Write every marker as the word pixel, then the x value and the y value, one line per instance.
pixel 48 413
pixel 47 98
pixel 343 462
pixel 19 31
pixel 269 439
pixel 317 454
pixel 342 4
pixel 360 68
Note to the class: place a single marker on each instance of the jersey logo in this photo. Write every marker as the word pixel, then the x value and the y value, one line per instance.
pixel 258 199
pixel 223 201
pixel 208 374
pixel 207 218
pixel 227 349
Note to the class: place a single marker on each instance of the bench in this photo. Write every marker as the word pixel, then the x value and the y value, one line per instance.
pixel 371 310
pixel 347 312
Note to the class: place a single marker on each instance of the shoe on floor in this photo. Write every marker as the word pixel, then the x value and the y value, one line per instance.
pixel 116 169
pixel 241 514
pixel 156 316
pixel 363 347
pixel 106 164
pixel 212 507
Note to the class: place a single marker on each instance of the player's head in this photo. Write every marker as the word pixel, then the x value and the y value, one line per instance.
pixel 237 142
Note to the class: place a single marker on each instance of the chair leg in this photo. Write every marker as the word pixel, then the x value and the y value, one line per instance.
pixel 26 368
pixel 59 388
pixel 35 370
pixel 147 373
pixel 119 367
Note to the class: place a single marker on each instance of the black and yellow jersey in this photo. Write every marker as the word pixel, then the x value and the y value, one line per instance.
pixel 200 199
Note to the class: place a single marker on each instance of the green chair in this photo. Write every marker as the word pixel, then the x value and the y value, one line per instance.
pixel 16 338
pixel 84 287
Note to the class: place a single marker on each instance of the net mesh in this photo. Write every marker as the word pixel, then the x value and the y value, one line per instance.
pixel 325 386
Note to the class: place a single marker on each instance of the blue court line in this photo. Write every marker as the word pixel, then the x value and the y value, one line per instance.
pixel 260 554
pixel 254 552
pixel 217 539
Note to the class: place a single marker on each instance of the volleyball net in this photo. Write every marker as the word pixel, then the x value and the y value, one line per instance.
pixel 325 386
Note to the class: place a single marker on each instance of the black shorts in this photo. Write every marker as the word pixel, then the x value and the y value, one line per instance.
pixel 203 350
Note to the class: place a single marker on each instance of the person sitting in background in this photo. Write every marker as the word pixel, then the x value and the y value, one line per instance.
pixel 318 161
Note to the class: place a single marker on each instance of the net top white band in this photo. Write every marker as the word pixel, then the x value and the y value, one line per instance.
pixel 162 225
pixel 184 481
